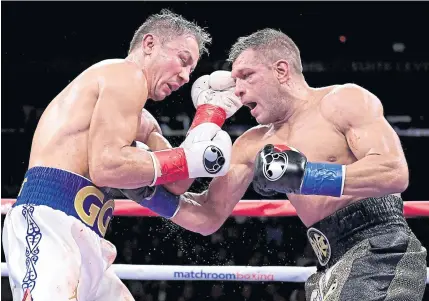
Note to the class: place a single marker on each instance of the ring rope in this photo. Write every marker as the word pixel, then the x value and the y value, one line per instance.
pixel 209 273
pixel 250 208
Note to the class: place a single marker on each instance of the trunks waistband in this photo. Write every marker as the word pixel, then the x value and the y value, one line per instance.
pixel 333 236
pixel 70 193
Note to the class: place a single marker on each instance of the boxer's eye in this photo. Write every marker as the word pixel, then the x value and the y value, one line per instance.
pixel 246 75
pixel 184 60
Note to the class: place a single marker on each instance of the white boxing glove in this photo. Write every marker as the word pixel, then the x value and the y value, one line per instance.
pixel 213 97
pixel 206 152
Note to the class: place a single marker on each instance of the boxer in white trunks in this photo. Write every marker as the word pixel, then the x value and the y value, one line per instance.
pixel 53 237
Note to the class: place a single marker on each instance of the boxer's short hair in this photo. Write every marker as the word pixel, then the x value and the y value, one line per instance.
pixel 167 25
pixel 272 44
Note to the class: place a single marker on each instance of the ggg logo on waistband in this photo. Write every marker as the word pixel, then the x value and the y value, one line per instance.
pixel 85 204
pixel 320 245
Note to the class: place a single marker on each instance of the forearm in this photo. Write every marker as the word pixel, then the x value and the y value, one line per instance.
pixel 376 175
pixel 179 187
pixel 197 214
pixel 206 212
pixel 129 167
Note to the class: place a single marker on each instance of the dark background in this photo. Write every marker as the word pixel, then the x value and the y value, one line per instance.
pixel 45 45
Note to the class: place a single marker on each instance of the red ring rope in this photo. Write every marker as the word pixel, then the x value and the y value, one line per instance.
pixel 253 208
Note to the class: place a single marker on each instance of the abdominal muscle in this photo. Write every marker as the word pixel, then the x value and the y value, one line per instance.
pixel 312 209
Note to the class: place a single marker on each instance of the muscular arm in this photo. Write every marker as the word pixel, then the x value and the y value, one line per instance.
pixel 150 133
pixel 112 161
pixel 381 167
pixel 205 213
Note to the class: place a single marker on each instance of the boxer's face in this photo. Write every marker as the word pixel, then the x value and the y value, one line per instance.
pixel 171 65
pixel 257 87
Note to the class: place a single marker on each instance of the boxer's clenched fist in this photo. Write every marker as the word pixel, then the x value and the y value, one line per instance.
pixel 213 96
pixel 206 152
pixel 216 89
pixel 281 168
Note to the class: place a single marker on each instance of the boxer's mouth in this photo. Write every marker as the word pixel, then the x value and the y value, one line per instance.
pixel 173 87
pixel 251 105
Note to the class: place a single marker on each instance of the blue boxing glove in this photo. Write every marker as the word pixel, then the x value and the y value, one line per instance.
pixel 279 168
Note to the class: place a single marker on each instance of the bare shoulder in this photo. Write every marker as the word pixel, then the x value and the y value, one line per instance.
pixel 120 73
pixel 246 146
pixel 348 103
pixel 251 135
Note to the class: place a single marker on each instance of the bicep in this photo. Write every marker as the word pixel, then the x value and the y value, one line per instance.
pixel 115 118
pixel 156 141
pixel 149 132
pixel 360 117
pixel 373 138
pixel 148 126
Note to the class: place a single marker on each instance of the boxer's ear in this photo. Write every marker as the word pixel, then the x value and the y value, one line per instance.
pixel 282 71
pixel 147 43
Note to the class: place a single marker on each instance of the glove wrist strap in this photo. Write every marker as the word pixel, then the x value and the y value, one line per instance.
pixel 162 202
pixel 155 168
pixel 323 179
pixel 209 113
pixel 173 165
